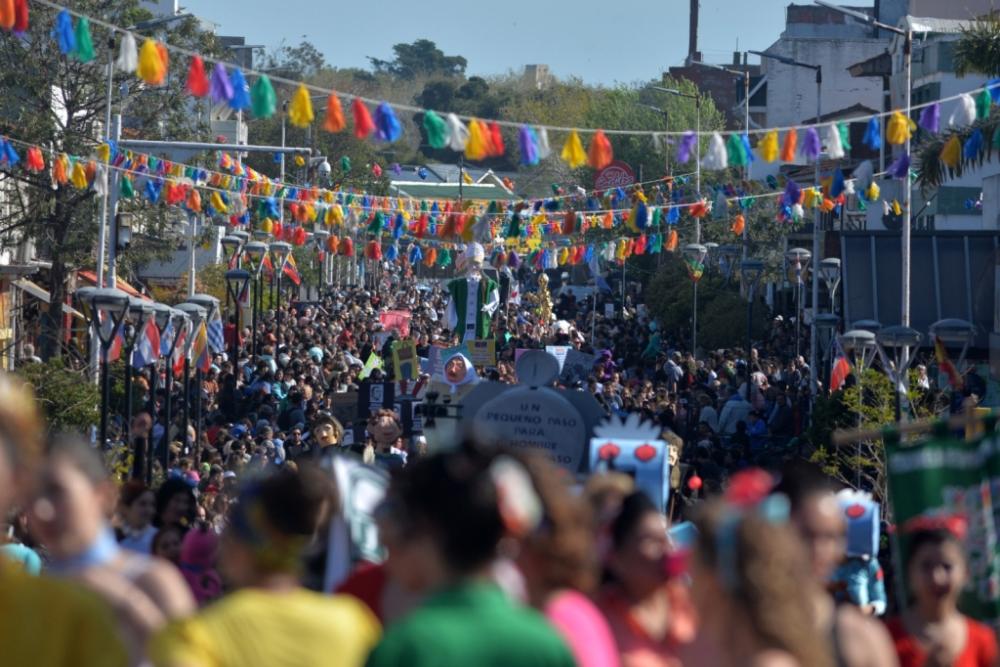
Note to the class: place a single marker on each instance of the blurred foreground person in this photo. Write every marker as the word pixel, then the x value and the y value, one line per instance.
pixel 69 515
pixel 451 518
pixel 271 620
pixel 43 622
pixel 932 632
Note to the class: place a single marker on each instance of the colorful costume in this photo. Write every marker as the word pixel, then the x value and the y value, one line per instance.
pixel 859 580
pixel 473 299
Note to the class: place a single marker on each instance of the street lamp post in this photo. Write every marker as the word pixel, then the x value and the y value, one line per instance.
pixel 697 150
pixel 254 253
pixel 907 35
pixel 320 238
pixel 954 333
pixel 829 270
pixel 279 255
pixel 895 345
pixel 695 254
pixel 139 312
pixel 826 328
pixel 799 259
pixel 861 345
pixel 181 325
pixel 211 306
pixel 161 317
pixel 750 271
pixel 196 314
pixel 107 305
pixel 236 285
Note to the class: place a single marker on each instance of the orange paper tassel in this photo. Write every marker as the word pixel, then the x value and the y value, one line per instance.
pixel 334 121
pixel 789 145
pixel 739 223
pixel 672 240
pixel 600 153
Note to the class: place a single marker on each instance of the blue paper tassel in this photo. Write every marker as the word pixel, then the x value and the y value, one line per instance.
pixel 837 185
pixel 387 125
pixel 642 216
pixel 745 138
pixel 241 91
pixel 152 189
pixel 415 254
pixel 391 253
pixel 994 87
pixel 973 145
pixel 399 224
pixel 792 194
pixel 873 134
pixel 63 33
pixel 900 167
pixel 528 143
pixel 674 215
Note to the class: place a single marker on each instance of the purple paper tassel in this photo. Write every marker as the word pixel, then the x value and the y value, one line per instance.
pixel 513 260
pixel 221 88
pixel 686 147
pixel 930 118
pixel 792 194
pixel 811 145
pixel 529 148
pixel 900 167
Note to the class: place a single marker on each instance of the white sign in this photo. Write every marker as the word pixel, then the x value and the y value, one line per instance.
pixel 559 352
pixel 609 311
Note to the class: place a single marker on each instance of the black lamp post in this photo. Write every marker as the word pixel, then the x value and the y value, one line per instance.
pixel 798 259
pixel 750 271
pixel 139 312
pixel 279 255
pixel 108 307
pixel 236 284
pixel 695 254
pixel 196 315
pixel 320 238
pixel 211 306
pixel 180 324
pixel 161 317
pixel 254 253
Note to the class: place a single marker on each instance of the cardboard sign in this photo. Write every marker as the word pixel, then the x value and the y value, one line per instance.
pixel 482 352
pixel 374 396
pixel 404 360
pixel 633 447
pixel 396 320
pixel 577 367
pixel 559 352
pixel 353 535
pixel 344 407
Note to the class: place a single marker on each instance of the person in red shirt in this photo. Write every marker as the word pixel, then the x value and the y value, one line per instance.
pixel 932 632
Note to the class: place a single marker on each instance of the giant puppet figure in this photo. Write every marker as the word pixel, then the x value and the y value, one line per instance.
pixel 473 298
pixel 859 580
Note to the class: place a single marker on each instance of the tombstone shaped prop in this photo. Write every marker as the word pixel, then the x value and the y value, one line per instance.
pixel 633 447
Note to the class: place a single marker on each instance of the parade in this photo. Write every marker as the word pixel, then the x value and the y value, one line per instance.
pixel 327 364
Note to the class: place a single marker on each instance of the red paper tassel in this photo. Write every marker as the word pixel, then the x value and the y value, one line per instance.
pixel 496 140
pixel 334 121
pixel 197 83
pixel 278 230
pixel 20 16
pixel 363 123
pixel 420 229
pixel 299 237
pixel 600 153
pixel 347 247
pixel 569 223
pixel 34 162
pixel 430 257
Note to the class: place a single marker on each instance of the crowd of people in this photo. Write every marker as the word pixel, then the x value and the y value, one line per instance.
pixel 215 553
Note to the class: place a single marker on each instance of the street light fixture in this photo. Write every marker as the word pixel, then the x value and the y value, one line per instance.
pixel 196 315
pixel 236 285
pixel 750 271
pixel 255 251
pixel 798 258
pixel 321 238
pixel 712 254
pixel 896 345
pixel 108 307
pixel 868 325
pixel 829 270
pixel 279 255
pixel 826 328
pixel 860 344
pixel 695 254
pixel 232 246
pixel 907 35
pixel 139 312
pixel 697 151
pixel 954 333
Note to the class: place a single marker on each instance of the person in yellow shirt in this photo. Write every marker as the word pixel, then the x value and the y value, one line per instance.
pixel 271 620
pixel 43 622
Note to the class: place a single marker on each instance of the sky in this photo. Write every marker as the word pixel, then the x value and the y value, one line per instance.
pixel 616 41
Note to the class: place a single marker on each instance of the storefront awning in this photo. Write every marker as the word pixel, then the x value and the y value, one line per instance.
pixel 40 293
pixel 91 278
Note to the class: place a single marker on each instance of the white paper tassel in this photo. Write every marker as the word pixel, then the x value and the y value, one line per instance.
pixel 885 207
pixel 716 156
pixel 965 113
pixel 128 56
pixel 849 187
pixel 100 184
pixel 833 146
pixel 458 134
pixel 544 150
pixel 797 212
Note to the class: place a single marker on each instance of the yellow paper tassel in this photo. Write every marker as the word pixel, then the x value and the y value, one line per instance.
pixel 104 153
pixel 79 176
pixel 952 152
pixel 218 204
pixel 266 226
pixel 620 249
pixel 900 128
pixel 896 208
pixel 563 256
pixel 151 68
pixel 768 146
pixel 300 109
pixel 572 151
pixel 873 192
pixel 475 147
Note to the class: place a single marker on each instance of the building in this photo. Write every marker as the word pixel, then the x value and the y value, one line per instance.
pixel 446 181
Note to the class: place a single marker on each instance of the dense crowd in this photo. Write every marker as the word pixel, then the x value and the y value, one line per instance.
pixel 220 555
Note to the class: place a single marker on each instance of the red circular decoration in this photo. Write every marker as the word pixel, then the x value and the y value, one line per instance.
pixel 694 482
pixel 855 511
pixel 645 453
pixel 609 451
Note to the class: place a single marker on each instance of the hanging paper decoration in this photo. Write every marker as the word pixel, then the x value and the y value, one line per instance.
pixel 126 191
pixel 84 51
pixel 600 154
pixel 300 108
pixel 735 151
pixel 476 148
pixel 672 239
pixel 930 118
pixel 811 146
pixel 900 128
pixel 345 164
pixel 951 153
pixel 572 151
pixel 497 148
pixel 873 134
pixel 983 102
pixel 220 87
pixel 834 148
pixel 973 145
pixel 79 176
pixel 63 33
pixel 458 134
pixel 900 167
pixel 873 191
pixel 768 146
pixel 20 17
pixel 715 156
pixel 151 67
pixel 7 16
pixel 739 224
pixel 263 99
pixel 747 148
pixel 334 119
pixel 687 146
pixel 240 99
pixel 527 142
pixel 128 54
pixel 845 135
pixel 544 149
pixel 788 146
pixel 792 195
pixel 436 129
pixel 34 162
pixel 964 113
pixel 363 124
pixel 837 185
pixel 388 127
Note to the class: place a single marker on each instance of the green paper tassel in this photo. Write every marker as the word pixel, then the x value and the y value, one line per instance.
pixel 376 224
pixel 658 215
pixel 735 152
pixel 983 102
pixel 845 135
pixel 345 164
pixel 263 100
pixel 127 191
pixel 436 129
pixel 84 44
pixel 996 137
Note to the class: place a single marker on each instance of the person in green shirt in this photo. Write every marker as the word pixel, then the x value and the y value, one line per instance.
pixel 451 520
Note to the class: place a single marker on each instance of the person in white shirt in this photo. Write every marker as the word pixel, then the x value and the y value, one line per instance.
pixel 734 410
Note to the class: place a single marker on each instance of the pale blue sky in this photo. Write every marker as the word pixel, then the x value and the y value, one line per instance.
pixel 601 42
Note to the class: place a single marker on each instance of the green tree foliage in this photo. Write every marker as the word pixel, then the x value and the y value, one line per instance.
pixel 70 402
pixel 421 58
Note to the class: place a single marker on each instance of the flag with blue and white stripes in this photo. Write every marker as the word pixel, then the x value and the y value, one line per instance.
pixel 216 339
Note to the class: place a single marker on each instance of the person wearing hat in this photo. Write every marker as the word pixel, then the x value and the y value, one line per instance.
pixel 473 298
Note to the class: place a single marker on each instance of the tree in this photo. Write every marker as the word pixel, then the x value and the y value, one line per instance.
pixel 421 58
pixel 57 101
pixel 295 62
pixel 70 402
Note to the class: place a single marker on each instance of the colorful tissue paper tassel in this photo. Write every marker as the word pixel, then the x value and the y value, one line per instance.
pixel 873 134
pixel 152 69
pixel 983 103
pixel 128 54
pixel 34 162
pixel 263 99
pixel 951 153
pixel 63 33
pixel 789 145
pixel 7 15
pixel 528 145
pixel 930 118
pixel 497 146
pixel 300 109
pixel 811 146
pixel 900 129
pixel 476 145
pixel 436 130
pixel 900 167
pixel 334 120
pixel 240 99
pixel 600 154
pixel 973 145
pixel 834 147
pixel 687 147
pixel 715 156
pixel 84 51
pixel 458 133
pixel 768 146
pixel 388 127
pixel 964 113
pixel 735 151
pixel 572 151
pixel 363 123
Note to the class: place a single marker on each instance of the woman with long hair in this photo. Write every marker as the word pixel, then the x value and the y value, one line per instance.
pixel 932 632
